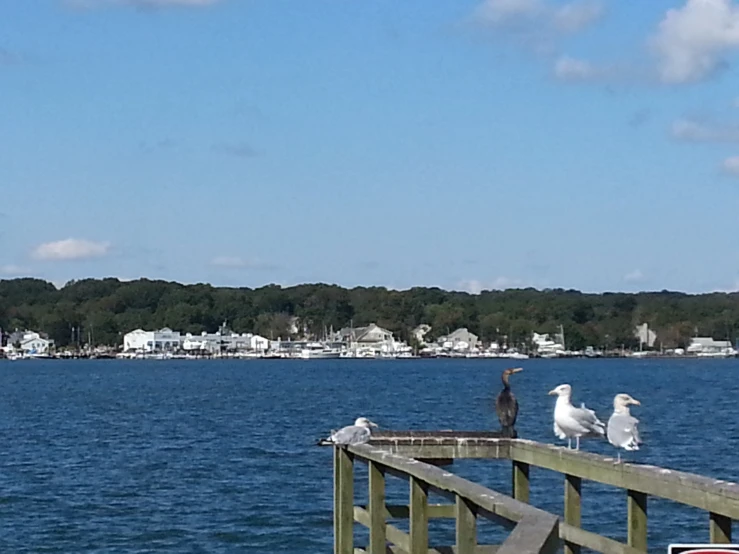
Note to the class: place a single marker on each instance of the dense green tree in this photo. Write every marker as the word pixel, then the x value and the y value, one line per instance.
pixel 104 310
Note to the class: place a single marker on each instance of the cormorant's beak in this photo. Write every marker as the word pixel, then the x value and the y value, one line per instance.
pixel 552 392
pixel 516 369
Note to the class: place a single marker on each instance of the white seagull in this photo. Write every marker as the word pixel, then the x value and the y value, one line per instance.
pixel 574 422
pixel 622 426
pixel 359 433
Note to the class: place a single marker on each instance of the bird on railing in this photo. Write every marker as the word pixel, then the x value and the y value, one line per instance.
pixel 506 405
pixel 571 422
pixel 359 433
pixel 622 426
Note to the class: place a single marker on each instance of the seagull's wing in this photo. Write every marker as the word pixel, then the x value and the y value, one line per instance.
pixel 352 434
pixel 623 432
pixel 587 418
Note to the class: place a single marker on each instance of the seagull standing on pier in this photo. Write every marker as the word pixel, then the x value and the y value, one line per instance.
pixel 574 422
pixel 622 426
pixel 506 405
pixel 359 433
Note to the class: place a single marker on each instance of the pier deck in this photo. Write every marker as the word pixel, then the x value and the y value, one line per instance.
pixel 415 455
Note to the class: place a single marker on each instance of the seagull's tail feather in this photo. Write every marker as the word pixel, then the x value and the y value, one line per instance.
pixel 508 431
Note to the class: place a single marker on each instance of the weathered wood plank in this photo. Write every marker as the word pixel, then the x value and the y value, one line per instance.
pixel 534 534
pixel 708 494
pixel 490 503
pixel 377 510
pixel 573 508
pixel 435 511
pixel 466 527
pixel 521 483
pixel 719 529
pixel 419 520
pixel 392 549
pixel 593 541
pixel 344 542
pixel 637 519
pixel 337 499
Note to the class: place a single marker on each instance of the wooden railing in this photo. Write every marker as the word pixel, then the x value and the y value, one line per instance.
pixel 534 530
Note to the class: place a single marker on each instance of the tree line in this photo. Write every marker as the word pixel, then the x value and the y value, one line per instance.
pixel 101 311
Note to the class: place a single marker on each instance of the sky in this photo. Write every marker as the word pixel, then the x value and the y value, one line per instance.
pixel 469 144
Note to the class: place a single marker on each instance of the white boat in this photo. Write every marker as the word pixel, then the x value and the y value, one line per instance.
pixel 317 350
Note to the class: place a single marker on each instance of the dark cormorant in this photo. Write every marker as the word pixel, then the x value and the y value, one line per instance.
pixel 506 405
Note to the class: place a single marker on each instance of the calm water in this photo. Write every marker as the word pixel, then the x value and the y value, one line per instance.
pixel 112 456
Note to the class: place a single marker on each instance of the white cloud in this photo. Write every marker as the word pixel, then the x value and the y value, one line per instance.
pixel 570 17
pixel 697 131
pixel 635 276
pixel 731 166
pixel 571 69
pixel 235 262
pixel 13 270
pixel 692 42
pixel 70 249
pixel 476 286
pixel 89 4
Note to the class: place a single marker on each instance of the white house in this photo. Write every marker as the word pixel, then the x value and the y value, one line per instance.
pixel 706 346
pixel 420 332
pixel 645 335
pixel 545 346
pixel 461 339
pixel 29 342
pixel 371 335
pixel 258 344
pixel 151 341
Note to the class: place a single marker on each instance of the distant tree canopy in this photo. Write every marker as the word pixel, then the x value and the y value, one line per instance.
pixel 107 309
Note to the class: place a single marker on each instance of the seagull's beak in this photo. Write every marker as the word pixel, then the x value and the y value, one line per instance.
pixel 552 392
pixel 373 424
pixel 635 401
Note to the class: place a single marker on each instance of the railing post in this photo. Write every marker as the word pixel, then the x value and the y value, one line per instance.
pixel 378 523
pixel 419 517
pixel 719 528
pixel 637 520
pixel 573 508
pixel 343 501
pixel 521 481
pixel 466 527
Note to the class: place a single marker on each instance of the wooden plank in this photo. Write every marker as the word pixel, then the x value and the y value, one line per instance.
pixel 593 541
pixel 637 519
pixel 337 499
pixel 466 527
pixel 490 503
pixel 435 511
pixel 720 497
pixel 719 529
pixel 344 530
pixel 377 536
pixel 534 534
pixel 573 508
pixel 392 549
pixel 419 520
pixel 521 483
pixel 422 449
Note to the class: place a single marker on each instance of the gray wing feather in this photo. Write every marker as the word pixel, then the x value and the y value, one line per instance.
pixel 623 431
pixel 589 420
pixel 353 434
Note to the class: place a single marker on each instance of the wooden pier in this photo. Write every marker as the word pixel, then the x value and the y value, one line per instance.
pixel 415 457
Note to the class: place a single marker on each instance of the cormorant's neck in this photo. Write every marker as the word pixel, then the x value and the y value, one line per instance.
pixel 506 384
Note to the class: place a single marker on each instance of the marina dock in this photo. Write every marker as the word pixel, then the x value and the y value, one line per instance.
pixel 415 456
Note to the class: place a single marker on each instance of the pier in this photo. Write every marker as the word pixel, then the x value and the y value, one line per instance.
pixel 423 459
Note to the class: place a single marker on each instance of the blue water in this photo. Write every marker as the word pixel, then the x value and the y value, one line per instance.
pixel 219 456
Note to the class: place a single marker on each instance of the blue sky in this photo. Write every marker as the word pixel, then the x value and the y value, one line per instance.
pixel 468 145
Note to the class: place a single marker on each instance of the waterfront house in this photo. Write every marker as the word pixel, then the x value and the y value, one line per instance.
pixel 461 339
pixel 706 346
pixel 29 342
pixel 646 336
pixel 152 341
pixel 420 332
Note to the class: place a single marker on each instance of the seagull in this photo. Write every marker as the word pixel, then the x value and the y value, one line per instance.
pixel 359 433
pixel 622 426
pixel 574 422
pixel 506 405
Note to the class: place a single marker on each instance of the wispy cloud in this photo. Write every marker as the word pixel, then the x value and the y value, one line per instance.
pixel 141 4
pixel 635 276
pixel 70 249
pixel 731 166
pixel 476 286
pixel 692 42
pixel 704 131
pixel 238 150
pixel 12 270
pixel 236 262
pixel 537 24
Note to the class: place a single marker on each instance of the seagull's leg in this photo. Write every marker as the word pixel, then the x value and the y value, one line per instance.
pixel 569 443
pixel 619 457
pixel 577 442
